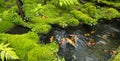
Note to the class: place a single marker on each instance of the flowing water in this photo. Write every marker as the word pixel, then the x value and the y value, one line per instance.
pixel 96 43
pixel 104 37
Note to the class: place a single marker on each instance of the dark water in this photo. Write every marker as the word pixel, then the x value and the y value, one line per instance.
pixel 17 29
pixel 106 38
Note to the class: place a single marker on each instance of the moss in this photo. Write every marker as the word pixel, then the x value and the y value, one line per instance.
pixel 39 10
pixel 41 17
pixel 8 18
pixel 90 9
pixel 21 43
pixel 27 49
pixel 117 56
pixel 98 12
pixel 110 3
pixel 44 53
pixel 41 28
pixel 2 9
pixel 5 26
pixel 73 22
pixel 84 18
pixel 68 22
pixel 111 13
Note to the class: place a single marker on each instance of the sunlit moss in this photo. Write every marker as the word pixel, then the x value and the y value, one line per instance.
pixel 44 52
pixel 117 57
pixel 98 12
pixel 41 28
pixel 115 3
pixel 84 18
pixel 21 43
pixel 41 17
pixel 5 26
pixel 27 49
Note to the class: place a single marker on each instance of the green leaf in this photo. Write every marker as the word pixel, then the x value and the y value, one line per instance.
pixel 1 44
pixel 8 49
pixel 2 54
pixel 11 55
pixel 60 2
pixel 6 52
pixel 64 2
pixel 71 1
pixel 68 2
pixel 6 45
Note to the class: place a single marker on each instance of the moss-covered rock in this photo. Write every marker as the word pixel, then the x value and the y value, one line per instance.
pixel 41 28
pixel 41 17
pixel 98 12
pixel 27 49
pixel 115 3
pixel 5 25
pixel 44 53
pixel 84 18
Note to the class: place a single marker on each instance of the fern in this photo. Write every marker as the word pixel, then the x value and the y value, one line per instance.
pixel 6 52
pixel 67 2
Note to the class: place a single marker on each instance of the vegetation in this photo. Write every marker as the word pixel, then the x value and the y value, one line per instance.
pixel 40 15
pixel 7 52
pixel 117 56
pixel 27 49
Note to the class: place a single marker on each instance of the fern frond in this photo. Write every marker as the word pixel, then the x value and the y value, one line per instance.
pixel 7 52
pixel 68 2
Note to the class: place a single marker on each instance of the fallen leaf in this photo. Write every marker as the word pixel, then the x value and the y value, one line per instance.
pixel 51 39
pixel 72 42
pixel 91 42
pixel 87 34
pixel 113 52
pixel 92 32
pixel 74 37
pixel 106 51
pixel 113 35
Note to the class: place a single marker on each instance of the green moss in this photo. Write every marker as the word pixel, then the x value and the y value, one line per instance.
pixel 84 18
pixel 41 28
pixel 90 9
pixel 41 17
pixel 5 26
pixel 2 9
pixel 44 53
pixel 111 13
pixel 110 3
pixel 33 10
pixel 7 18
pixel 68 21
pixel 27 49
pixel 117 56
pixel 21 43
pixel 97 12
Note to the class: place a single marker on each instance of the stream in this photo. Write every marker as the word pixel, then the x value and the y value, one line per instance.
pixel 96 43
pixel 91 43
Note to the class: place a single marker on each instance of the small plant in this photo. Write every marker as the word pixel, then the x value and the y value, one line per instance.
pixel 7 52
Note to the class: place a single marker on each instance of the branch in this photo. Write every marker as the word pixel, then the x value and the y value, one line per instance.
pixel 21 13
